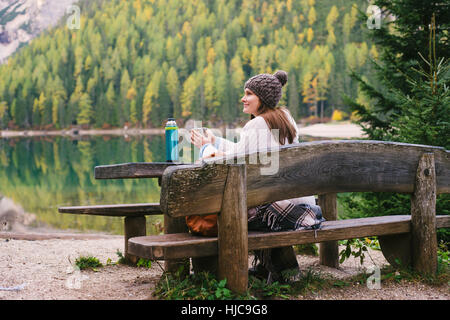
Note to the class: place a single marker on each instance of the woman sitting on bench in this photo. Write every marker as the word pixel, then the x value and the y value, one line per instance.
pixel 269 126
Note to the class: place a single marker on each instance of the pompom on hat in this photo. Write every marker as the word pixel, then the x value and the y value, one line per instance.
pixel 268 87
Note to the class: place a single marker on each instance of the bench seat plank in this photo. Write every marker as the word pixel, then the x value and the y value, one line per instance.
pixel 179 245
pixel 115 210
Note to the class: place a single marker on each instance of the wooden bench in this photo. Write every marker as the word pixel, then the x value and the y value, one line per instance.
pixel 324 168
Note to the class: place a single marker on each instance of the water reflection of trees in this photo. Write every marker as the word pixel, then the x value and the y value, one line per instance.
pixel 42 174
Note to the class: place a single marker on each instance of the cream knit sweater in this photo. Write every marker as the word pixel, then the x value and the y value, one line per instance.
pixel 255 136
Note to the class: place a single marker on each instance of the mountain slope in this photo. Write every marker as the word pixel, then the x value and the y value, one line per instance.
pixel 23 20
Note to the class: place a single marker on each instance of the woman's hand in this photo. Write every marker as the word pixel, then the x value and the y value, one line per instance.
pixel 198 139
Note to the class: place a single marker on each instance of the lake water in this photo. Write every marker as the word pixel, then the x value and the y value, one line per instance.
pixel 41 174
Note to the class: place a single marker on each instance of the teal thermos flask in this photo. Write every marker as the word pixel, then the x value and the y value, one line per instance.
pixel 171 140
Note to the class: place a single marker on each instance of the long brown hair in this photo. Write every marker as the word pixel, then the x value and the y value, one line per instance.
pixel 276 118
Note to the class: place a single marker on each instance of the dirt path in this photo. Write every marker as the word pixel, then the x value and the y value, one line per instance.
pixel 44 270
pixel 333 130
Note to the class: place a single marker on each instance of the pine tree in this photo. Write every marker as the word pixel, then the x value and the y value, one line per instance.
pixel 293 100
pixel 15 115
pixel 164 105
pixel 424 116
pixel 223 91
pixel 3 114
pixel 173 87
pixel 85 114
pixel 425 113
pixel 41 109
pixel 325 63
pixel 36 116
pixel 209 89
pixel 56 111
pixel 133 112
pixel 236 85
pixel 399 52
pixel 330 22
pixel 79 61
pixel 312 16
pixel 188 96
pixel 111 102
pixel 310 94
pixel 124 103
pixel 406 106
pixel 151 97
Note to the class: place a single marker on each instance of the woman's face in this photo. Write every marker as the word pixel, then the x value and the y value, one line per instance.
pixel 251 102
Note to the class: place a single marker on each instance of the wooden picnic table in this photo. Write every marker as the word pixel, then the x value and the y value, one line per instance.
pixel 134 213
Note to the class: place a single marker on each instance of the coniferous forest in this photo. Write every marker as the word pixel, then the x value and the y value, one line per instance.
pixel 139 62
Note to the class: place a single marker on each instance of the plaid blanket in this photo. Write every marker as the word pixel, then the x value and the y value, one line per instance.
pixel 284 215
pixel 277 263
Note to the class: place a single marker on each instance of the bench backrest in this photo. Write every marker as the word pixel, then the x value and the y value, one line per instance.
pixel 303 169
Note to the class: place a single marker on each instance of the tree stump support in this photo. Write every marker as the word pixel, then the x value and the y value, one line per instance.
pixel 423 217
pixel 396 249
pixel 329 250
pixel 135 226
pixel 233 231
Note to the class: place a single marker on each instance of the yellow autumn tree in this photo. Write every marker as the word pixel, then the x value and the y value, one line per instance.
pixel 211 56
pixel 309 35
pixel 131 93
pixel 211 101
pixel 3 109
pixel 151 95
pixel 187 95
pixel 331 20
pixel 312 16
pixel 310 94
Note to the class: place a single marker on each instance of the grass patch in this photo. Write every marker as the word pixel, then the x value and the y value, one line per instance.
pixel 143 263
pixel 122 259
pixel 84 263
pixel 391 274
pixel 310 281
pixel 201 286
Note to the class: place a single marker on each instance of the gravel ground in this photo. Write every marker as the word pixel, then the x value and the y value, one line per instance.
pixel 44 270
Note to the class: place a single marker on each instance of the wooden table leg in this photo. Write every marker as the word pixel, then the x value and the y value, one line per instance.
pixel 176 225
pixel 134 227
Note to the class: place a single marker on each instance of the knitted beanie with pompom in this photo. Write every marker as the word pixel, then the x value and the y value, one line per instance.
pixel 268 87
